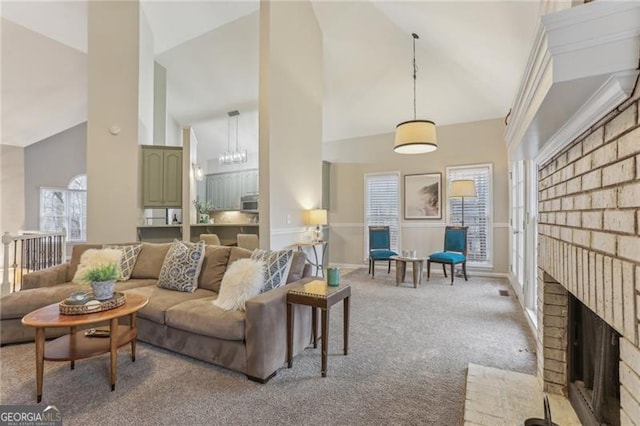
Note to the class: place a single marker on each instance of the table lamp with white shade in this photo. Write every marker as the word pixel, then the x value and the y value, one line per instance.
pixel 463 188
pixel 317 217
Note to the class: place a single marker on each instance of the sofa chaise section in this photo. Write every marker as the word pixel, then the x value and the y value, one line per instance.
pixel 251 342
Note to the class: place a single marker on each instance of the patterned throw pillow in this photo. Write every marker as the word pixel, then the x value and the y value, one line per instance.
pixel 181 266
pixel 277 265
pixel 129 256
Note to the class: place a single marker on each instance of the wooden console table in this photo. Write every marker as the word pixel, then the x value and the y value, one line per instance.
pixel 319 259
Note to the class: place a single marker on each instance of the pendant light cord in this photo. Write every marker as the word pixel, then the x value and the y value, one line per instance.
pixel 229 133
pixel 237 118
pixel 415 71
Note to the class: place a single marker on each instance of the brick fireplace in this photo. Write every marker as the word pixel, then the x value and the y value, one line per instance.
pixel 589 247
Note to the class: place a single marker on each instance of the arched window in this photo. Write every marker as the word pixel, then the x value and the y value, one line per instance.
pixel 79 182
pixel 65 209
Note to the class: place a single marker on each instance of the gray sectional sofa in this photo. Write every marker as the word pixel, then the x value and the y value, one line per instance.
pixel 251 342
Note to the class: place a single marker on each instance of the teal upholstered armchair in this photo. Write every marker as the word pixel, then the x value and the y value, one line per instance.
pixel 379 247
pixel 455 251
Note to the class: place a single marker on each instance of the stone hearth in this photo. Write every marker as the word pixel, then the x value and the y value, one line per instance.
pixel 497 397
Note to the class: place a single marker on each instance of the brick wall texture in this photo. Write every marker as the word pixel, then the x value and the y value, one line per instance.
pixel 589 245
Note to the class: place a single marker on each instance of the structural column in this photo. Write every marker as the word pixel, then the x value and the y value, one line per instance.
pixel 290 110
pixel 113 119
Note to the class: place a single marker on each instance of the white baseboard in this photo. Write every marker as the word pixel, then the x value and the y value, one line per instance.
pixel 348 265
pixel 436 271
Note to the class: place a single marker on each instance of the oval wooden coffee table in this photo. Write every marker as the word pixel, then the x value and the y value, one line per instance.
pixel 76 345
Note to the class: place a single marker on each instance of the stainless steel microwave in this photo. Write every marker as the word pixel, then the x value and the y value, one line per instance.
pixel 249 203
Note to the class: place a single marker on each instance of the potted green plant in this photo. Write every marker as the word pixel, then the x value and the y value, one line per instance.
pixel 203 209
pixel 102 279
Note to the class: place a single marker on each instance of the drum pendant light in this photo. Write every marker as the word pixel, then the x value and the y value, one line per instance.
pixel 415 136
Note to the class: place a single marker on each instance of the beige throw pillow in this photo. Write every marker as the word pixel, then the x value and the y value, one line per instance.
pixel 96 257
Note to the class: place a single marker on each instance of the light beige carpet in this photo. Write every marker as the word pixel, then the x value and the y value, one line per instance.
pixel 409 350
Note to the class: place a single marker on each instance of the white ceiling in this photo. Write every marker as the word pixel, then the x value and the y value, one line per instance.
pixel 471 55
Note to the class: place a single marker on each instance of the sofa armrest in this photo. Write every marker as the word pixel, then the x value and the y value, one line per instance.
pixel 46 277
pixel 266 330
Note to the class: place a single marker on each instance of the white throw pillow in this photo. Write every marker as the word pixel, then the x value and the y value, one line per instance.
pixel 242 281
pixel 97 257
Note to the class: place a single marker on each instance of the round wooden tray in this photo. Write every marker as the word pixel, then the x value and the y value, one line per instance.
pixel 118 299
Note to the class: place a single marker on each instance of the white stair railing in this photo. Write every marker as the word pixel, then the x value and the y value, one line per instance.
pixel 29 251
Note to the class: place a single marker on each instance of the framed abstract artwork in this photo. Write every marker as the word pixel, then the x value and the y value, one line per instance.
pixel 423 196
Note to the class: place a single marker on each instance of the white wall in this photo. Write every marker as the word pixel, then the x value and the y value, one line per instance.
pixel 459 144
pixel 159 104
pixel 112 160
pixel 146 86
pixel 69 148
pixel 290 119
pixel 174 132
pixel 12 175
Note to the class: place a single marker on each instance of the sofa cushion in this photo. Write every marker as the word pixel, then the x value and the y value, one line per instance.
pixel 181 266
pixel 238 253
pixel 129 256
pixel 149 261
pixel 277 266
pixel 161 299
pixel 242 281
pixel 93 258
pixel 129 284
pixel 214 265
pixel 20 303
pixel 297 267
pixel 447 257
pixel 202 317
pixel 76 254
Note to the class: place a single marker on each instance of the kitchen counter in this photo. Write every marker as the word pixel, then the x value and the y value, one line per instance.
pixel 159 233
pixel 227 232
pixel 211 225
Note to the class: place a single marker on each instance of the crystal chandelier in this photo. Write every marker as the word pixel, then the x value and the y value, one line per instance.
pixel 237 155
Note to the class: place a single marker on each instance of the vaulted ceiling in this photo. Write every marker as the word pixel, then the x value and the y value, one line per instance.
pixel 470 56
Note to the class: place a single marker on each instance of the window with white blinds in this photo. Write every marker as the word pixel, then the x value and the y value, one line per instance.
pixel 477 211
pixel 382 205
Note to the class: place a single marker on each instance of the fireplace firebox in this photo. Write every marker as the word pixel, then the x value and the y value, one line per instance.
pixel 594 354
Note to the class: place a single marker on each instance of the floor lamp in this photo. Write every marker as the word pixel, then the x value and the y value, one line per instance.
pixel 460 189
pixel 463 188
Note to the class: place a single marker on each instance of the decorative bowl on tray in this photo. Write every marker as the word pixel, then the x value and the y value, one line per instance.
pixel 78 298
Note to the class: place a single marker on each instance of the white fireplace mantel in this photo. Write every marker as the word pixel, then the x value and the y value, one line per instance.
pixel 583 63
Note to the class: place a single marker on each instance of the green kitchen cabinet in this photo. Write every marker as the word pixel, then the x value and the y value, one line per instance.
pixel 161 177
pixel 225 190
